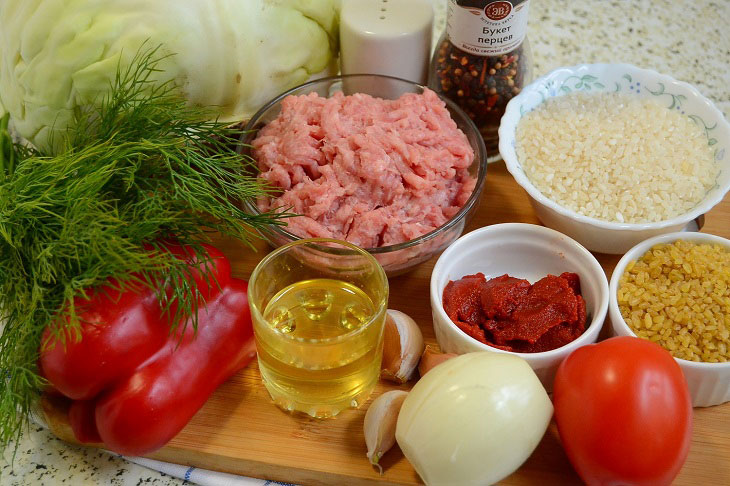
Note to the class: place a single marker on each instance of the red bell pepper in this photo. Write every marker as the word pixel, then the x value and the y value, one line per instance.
pixel 135 395
pixel 120 330
pixel 147 409
pixel 82 418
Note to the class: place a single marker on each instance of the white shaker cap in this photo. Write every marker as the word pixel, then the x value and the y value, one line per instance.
pixel 391 37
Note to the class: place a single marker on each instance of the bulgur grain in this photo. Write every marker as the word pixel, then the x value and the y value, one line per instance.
pixel 686 287
pixel 615 157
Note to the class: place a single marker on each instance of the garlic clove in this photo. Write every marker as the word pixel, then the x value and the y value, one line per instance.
pixel 431 358
pixel 379 426
pixel 402 347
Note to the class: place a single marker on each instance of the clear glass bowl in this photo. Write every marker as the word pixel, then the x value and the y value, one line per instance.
pixel 400 258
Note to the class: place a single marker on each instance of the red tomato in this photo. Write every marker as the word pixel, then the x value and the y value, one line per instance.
pixel 623 412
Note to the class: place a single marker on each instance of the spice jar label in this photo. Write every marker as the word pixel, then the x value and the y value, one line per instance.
pixel 496 29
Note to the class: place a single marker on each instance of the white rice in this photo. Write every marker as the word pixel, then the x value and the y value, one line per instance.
pixel 616 157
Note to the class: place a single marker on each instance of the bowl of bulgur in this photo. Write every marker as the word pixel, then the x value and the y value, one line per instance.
pixel 674 289
pixel 611 154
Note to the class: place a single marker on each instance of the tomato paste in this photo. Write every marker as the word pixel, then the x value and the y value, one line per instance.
pixel 508 313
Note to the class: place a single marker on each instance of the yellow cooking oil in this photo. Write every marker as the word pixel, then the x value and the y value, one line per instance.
pixel 320 347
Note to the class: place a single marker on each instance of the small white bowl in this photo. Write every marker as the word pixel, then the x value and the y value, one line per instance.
pixel 709 383
pixel 525 251
pixel 595 234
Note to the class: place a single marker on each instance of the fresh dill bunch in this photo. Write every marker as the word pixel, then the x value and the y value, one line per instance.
pixel 139 168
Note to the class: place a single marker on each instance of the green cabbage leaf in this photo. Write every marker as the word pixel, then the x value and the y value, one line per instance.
pixel 233 55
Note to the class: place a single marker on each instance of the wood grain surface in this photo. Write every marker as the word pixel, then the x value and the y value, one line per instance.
pixel 240 431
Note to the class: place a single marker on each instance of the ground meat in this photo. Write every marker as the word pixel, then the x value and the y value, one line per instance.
pixel 371 171
pixel 510 314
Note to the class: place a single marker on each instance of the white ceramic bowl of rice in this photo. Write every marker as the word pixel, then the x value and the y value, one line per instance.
pixel 611 184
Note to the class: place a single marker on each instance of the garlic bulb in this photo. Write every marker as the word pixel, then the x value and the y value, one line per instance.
pixel 473 419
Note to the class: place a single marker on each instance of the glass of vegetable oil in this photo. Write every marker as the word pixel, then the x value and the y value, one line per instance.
pixel 318 309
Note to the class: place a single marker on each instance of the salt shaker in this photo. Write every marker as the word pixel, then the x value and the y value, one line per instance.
pixel 390 37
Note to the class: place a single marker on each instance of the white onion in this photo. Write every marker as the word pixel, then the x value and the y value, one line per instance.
pixel 473 420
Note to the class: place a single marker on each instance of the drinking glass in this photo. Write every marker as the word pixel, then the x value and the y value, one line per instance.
pixel 318 309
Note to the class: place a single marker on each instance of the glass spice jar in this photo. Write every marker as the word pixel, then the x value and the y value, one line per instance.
pixel 483 60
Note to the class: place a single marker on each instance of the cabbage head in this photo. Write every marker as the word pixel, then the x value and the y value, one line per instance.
pixel 234 55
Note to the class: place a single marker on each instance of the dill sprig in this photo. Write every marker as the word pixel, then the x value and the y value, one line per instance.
pixel 139 168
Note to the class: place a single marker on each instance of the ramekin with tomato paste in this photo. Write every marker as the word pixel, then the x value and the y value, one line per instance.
pixel 518 288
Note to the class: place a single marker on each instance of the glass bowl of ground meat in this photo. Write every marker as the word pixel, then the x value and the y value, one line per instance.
pixel 381 162
pixel 518 288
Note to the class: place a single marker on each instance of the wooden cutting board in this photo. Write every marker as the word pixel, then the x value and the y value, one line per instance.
pixel 239 430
